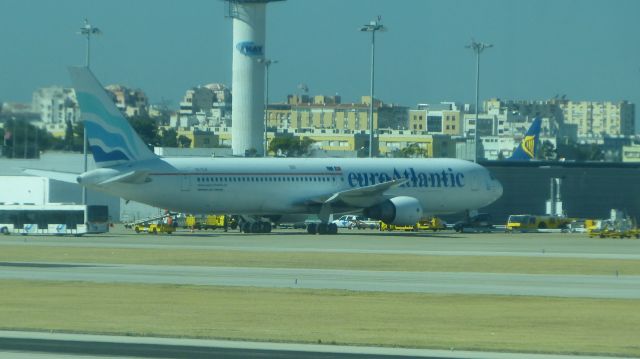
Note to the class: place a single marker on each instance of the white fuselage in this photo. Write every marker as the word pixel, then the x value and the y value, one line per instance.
pixel 271 186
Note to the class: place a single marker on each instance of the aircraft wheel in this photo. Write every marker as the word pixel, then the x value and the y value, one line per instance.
pixel 256 227
pixel 246 227
pixel 265 227
pixel 312 228
pixel 332 228
pixel 322 228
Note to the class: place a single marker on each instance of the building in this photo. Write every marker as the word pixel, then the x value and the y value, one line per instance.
pixel 57 108
pixel 208 105
pixel 593 119
pixel 393 141
pixel 332 141
pixel 631 153
pixel 131 102
pixel 328 112
pixel 444 119
pixel 599 119
pixel 199 138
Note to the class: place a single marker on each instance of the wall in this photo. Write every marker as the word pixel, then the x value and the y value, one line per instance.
pixel 588 190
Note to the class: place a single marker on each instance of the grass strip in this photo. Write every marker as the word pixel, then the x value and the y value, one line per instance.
pixel 353 261
pixel 502 323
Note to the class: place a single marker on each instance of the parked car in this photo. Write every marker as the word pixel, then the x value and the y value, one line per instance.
pixel 481 222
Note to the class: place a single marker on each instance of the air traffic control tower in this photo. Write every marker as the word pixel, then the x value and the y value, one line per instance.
pixel 248 74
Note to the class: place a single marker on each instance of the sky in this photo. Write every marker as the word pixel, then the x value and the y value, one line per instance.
pixel 584 49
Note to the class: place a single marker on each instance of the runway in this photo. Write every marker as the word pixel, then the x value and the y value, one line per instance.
pixel 17 345
pixel 592 286
pixel 357 241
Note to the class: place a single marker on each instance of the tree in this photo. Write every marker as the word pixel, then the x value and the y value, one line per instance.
pixel 77 144
pixel 580 152
pixel 291 146
pixel 146 128
pixel 68 136
pixel 21 139
pixel 411 151
pixel 184 141
pixel 169 137
pixel 547 151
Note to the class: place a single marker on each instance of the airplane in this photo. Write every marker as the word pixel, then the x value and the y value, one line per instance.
pixel 396 191
pixel 528 147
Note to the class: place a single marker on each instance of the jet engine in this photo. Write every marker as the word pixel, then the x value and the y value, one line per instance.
pixel 401 211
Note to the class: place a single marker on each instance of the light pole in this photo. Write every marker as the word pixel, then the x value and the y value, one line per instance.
pixel 372 27
pixel 477 47
pixel 87 30
pixel 267 63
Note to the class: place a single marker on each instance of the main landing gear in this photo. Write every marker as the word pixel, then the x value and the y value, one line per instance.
pixel 322 228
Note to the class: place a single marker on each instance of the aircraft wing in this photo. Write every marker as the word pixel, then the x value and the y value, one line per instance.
pixel 361 197
pixel 55 175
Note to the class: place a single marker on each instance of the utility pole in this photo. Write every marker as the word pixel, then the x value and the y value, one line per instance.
pixel 372 27
pixel 477 47
pixel 87 30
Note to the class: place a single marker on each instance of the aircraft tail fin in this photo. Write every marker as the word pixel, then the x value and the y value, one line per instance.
pixel 111 138
pixel 526 150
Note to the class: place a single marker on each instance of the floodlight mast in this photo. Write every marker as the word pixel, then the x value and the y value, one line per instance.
pixel 372 27
pixel 87 30
pixel 267 63
pixel 477 47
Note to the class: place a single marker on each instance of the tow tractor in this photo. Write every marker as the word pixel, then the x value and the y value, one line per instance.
pixel 425 224
pixel 155 225
pixel 155 228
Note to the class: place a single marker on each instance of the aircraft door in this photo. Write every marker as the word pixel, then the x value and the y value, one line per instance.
pixel 185 183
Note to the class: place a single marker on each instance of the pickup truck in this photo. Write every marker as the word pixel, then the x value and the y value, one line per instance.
pixel 351 221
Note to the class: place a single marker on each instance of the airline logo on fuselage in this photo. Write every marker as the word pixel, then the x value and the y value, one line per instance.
pixel 444 178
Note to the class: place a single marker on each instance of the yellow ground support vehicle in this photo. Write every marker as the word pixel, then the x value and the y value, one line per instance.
pixel 155 228
pixel 211 221
pixel 431 224
pixel 535 223
pixel 425 224
pixel 392 227
pixel 610 229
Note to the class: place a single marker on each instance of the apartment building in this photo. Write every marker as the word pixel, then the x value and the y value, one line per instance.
pixel 209 105
pixel 599 119
pixel 131 102
pixel 444 118
pixel 328 112
pixel 56 107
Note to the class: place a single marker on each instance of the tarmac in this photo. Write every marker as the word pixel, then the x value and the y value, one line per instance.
pixel 586 286
pixel 56 345
pixel 18 345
